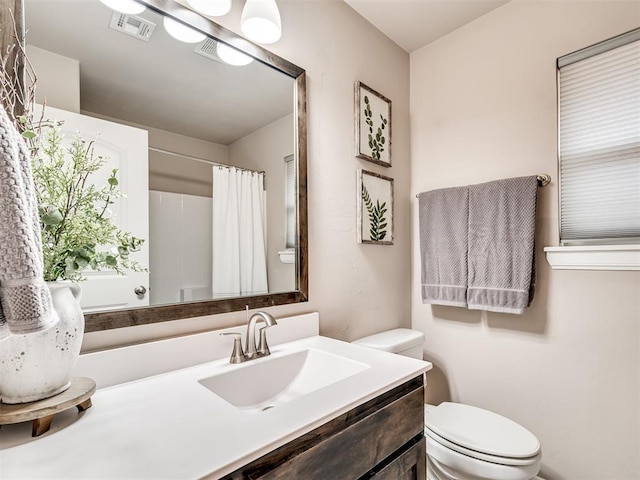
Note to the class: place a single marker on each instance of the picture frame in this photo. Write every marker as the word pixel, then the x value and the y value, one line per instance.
pixel 375 208
pixel 372 125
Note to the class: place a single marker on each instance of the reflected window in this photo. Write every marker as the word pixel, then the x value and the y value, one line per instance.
pixel 290 199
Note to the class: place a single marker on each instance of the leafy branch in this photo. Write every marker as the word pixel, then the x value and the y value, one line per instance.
pixel 376 141
pixel 75 220
pixel 377 219
pixel 74 212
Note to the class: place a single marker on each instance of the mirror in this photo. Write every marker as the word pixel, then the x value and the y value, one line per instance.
pixel 196 113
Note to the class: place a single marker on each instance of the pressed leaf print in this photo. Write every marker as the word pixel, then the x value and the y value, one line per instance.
pixel 376 134
pixel 373 130
pixel 377 217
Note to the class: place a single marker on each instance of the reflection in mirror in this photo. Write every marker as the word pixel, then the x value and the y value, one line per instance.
pixel 207 150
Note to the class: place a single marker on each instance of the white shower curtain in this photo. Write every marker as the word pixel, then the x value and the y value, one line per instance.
pixel 239 239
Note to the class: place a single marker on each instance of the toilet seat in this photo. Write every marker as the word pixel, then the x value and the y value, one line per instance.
pixel 507 461
pixel 482 434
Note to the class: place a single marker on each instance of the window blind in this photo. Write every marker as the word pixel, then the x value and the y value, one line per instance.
pixel 290 199
pixel 599 143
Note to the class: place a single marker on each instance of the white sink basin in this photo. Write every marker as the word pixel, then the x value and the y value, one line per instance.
pixel 261 384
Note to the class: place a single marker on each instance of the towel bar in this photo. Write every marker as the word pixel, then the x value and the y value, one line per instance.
pixel 543 180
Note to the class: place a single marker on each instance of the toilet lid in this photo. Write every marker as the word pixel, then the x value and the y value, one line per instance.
pixel 482 431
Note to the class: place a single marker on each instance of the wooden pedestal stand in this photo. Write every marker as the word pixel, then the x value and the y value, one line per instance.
pixel 42 411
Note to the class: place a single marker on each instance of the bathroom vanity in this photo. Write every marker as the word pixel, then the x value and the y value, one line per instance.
pixel 380 439
pixel 315 408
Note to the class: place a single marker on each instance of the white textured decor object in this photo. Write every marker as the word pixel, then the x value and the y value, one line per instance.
pixel 37 365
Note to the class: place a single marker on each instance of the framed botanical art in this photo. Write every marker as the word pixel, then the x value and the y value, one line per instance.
pixel 373 125
pixel 375 208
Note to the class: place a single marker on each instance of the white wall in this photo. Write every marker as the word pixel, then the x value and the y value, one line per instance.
pixel 358 289
pixel 483 107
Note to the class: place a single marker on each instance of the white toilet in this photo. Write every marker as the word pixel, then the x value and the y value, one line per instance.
pixel 465 442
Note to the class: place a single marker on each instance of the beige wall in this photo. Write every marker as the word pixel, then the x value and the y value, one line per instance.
pixel 178 174
pixel 483 107
pixel 169 173
pixel 58 79
pixel 59 84
pixel 265 149
pixel 358 289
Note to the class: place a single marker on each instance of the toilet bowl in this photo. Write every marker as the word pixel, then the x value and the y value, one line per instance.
pixel 466 442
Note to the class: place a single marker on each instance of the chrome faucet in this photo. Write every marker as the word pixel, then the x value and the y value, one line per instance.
pixel 250 346
pixel 239 355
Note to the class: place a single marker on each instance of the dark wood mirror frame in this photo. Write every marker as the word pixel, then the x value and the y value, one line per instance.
pixel 146 315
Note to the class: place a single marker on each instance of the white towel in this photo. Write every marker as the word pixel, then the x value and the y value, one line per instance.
pixel 443 218
pixel 502 217
pixel 25 301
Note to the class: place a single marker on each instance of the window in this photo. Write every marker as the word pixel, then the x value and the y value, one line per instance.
pixel 290 200
pixel 599 143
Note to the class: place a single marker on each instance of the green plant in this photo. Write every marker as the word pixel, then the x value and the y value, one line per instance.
pixel 77 226
pixel 376 141
pixel 377 219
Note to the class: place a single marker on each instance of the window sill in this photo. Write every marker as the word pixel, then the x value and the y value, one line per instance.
pixel 288 255
pixel 602 257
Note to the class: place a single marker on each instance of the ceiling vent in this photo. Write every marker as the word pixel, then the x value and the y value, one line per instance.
pixel 131 25
pixel 209 48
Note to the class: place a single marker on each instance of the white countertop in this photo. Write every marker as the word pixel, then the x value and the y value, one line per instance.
pixel 170 426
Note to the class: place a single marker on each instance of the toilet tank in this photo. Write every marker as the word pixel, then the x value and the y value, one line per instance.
pixel 402 341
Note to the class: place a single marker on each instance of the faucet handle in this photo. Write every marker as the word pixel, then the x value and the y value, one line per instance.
pixel 237 355
pixel 263 348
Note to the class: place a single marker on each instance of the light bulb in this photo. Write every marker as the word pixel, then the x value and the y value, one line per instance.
pixel 213 8
pixel 261 21
pixel 128 7
pixel 232 56
pixel 181 32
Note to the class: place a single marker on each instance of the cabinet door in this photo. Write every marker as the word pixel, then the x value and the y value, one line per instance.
pixel 410 465
pixel 371 439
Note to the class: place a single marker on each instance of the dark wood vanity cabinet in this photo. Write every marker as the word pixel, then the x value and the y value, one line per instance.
pixel 382 439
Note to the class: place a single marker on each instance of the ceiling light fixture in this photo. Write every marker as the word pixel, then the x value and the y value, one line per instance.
pixel 213 8
pixel 181 32
pixel 128 7
pixel 261 21
pixel 232 56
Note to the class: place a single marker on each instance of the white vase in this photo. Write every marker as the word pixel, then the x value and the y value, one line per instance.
pixel 38 365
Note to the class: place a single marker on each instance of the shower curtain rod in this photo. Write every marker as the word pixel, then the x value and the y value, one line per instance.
pixel 543 180
pixel 202 160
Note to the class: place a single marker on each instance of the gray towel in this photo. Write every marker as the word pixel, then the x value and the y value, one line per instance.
pixel 443 245
pixel 25 301
pixel 502 217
